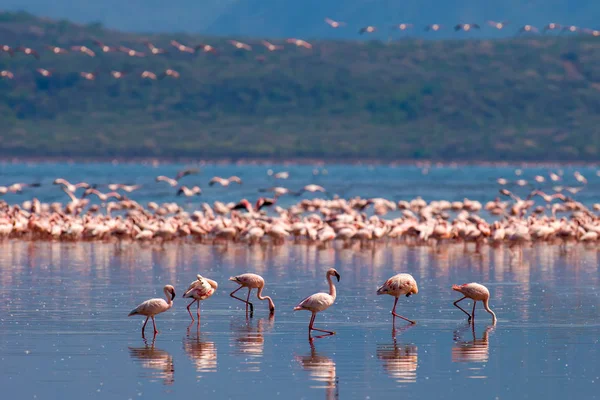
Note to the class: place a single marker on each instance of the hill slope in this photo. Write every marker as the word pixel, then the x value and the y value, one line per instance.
pixel 534 99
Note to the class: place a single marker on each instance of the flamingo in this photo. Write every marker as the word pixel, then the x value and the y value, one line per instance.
pixel 152 307
pixel 476 292
pixel 200 289
pixel 320 302
pixel 251 281
pixel 186 172
pixel 224 182
pixel 189 192
pixel 399 285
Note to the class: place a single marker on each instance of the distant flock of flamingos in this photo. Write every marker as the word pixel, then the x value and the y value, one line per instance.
pixel 177 46
pixel 540 216
pixel 398 285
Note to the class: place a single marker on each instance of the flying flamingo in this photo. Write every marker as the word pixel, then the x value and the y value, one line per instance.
pixel 152 307
pixel 476 292
pixel 399 285
pixel 200 289
pixel 320 302
pixel 251 281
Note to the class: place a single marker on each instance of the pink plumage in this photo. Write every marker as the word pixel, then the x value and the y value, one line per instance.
pixel 200 289
pixel 251 281
pixel 399 285
pixel 320 301
pixel 476 292
pixel 152 307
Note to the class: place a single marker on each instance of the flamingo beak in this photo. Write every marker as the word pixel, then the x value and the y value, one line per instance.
pixel 172 294
pixel 337 276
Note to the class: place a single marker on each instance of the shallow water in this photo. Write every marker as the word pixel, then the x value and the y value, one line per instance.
pixel 64 331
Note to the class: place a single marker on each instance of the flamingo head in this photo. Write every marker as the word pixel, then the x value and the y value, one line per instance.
pixel 170 290
pixel 333 272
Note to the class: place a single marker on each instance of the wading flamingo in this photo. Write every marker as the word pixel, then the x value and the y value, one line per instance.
pixel 152 307
pixel 251 281
pixel 476 292
pixel 399 285
pixel 200 289
pixel 320 301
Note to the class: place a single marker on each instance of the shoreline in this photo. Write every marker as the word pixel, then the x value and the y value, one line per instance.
pixel 155 161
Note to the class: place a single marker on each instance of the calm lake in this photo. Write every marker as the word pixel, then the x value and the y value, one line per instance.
pixel 64 330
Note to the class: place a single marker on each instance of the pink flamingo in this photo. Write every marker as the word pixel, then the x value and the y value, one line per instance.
pixel 200 289
pixel 399 285
pixel 152 307
pixel 320 302
pixel 251 281
pixel 476 292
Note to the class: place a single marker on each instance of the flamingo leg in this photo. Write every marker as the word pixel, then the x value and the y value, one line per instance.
pixel 198 309
pixel 154 323
pixel 311 328
pixel 461 309
pixel 245 301
pixel 398 315
pixel 473 315
pixel 248 302
pixel 144 326
pixel 188 308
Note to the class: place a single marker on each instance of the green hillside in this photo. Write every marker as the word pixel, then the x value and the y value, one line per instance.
pixel 527 98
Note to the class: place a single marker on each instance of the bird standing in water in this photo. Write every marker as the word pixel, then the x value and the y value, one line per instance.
pixel 201 289
pixel 320 302
pixel 251 281
pixel 476 292
pixel 152 307
pixel 399 285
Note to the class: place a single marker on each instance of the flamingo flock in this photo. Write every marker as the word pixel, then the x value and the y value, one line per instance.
pixel 94 47
pixel 109 212
pixel 398 285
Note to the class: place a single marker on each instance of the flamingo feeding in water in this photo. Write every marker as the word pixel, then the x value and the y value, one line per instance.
pixel 152 307
pixel 320 302
pixel 476 292
pixel 399 285
pixel 251 281
pixel 200 289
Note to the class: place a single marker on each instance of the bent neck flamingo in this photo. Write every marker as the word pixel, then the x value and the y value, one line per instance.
pixel 399 285
pixel 251 281
pixel 476 292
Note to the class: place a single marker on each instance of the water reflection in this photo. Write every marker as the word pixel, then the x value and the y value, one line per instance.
pixel 159 363
pixel 203 353
pixel 471 351
pixel 321 369
pixel 400 361
pixel 248 340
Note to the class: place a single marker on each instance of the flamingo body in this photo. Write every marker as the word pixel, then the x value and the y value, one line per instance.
pixel 476 292
pixel 251 281
pixel 399 285
pixel 201 289
pixel 152 307
pixel 320 301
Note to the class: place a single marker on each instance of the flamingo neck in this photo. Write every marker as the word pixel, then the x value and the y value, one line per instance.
pixel 260 297
pixel 488 309
pixel 332 291
pixel 169 299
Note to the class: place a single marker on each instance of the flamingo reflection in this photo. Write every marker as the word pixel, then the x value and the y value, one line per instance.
pixel 321 369
pixel 476 350
pixel 159 363
pixel 202 353
pixel 399 361
pixel 248 340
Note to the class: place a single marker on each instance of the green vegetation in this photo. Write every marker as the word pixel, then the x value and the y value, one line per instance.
pixel 527 98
